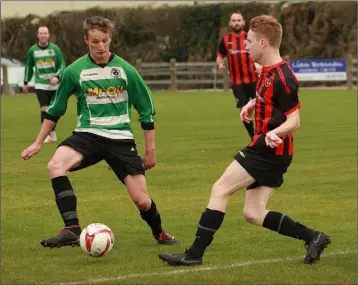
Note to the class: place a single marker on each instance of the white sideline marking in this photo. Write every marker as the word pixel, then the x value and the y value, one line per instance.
pixel 200 268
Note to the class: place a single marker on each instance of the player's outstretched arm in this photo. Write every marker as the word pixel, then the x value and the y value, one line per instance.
pixel 149 156
pixel 28 71
pixel 220 62
pixel 246 111
pixel 273 138
pixel 220 53
pixel 35 148
pixel 143 103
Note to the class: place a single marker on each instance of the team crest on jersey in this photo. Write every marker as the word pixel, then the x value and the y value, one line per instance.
pixel 51 52
pixel 267 82
pixel 115 73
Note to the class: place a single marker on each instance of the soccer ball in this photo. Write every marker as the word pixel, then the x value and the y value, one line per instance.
pixel 96 239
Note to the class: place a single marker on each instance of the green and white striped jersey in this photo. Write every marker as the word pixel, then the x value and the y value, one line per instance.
pixel 105 94
pixel 48 62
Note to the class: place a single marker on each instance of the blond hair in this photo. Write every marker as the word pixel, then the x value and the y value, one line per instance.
pixel 268 27
pixel 98 23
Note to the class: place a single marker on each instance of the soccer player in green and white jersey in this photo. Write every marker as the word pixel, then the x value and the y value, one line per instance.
pixel 49 66
pixel 105 86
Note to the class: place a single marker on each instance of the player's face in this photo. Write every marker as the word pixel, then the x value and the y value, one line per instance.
pixel 43 35
pixel 98 43
pixel 237 23
pixel 254 46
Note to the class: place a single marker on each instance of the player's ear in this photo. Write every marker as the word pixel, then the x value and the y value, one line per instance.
pixel 263 43
pixel 86 39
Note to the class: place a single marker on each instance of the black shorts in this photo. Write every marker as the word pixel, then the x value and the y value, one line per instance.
pixel 120 155
pixel 267 169
pixel 243 93
pixel 44 96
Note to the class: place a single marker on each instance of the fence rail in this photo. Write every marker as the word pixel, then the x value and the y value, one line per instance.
pixel 180 75
pixel 174 75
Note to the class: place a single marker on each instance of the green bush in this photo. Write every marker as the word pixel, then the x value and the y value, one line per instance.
pixel 191 33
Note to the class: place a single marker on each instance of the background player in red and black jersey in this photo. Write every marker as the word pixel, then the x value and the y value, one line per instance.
pixel 243 71
pixel 261 165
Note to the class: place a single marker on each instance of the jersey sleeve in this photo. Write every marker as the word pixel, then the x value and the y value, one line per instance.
pixel 29 66
pixel 141 98
pixel 221 51
pixel 65 89
pixel 287 95
pixel 60 63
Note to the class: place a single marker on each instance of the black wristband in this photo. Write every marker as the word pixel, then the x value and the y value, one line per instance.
pixel 51 118
pixel 147 126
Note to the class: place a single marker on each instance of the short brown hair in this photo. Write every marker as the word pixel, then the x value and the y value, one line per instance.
pixel 268 27
pixel 98 23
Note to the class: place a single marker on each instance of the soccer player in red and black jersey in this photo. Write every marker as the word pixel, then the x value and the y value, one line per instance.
pixel 243 71
pixel 260 166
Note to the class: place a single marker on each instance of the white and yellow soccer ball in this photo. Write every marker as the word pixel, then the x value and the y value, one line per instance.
pixel 96 239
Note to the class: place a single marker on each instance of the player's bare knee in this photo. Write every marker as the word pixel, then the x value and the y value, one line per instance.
pixel 219 191
pixel 142 203
pixel 56 167
pixel 252 216
pixel 43 108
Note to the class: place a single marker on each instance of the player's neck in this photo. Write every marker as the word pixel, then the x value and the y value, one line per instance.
pixel 102 59
pixel 43 44
pixel 271 57
pixel 236 33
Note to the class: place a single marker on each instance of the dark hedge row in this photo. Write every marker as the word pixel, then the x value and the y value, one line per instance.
pixel 191 33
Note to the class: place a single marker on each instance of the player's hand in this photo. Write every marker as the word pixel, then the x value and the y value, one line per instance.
pixel 258 69
pixel 54 80
pixel 221 66
pixel 272 140
pixel 30 151
pixel 25 88
pixel 149 159
pixel 246 112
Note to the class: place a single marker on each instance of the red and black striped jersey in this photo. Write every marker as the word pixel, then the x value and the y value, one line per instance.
pixel 276 98
pixel 241 65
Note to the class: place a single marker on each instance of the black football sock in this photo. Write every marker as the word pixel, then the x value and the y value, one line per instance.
pixel 66 202
pixel 250 128
pixel 152 218
pixel 209 223
pixel 284 225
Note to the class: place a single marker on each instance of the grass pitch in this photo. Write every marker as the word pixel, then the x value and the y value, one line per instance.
pixel 197 135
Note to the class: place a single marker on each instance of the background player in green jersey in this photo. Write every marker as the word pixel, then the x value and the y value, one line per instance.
pixel 49 66
pixel 106 86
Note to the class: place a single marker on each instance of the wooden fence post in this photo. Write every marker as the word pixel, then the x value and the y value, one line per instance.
pixel 173 77
pixel 349 59
pixel 226 75
pixel 5 77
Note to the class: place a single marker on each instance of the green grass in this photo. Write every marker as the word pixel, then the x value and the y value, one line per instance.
pixel 197 135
